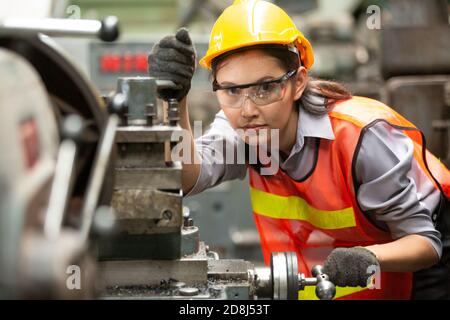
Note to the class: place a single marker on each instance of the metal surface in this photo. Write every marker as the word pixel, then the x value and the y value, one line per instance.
pixel 417 28
pixel 155 133
pixel 278 265
pixel 107 30
pixel 190 240
pixel 149 273
pixel 189 292
pixel 140 95
pixel 199 277
pixel 422 100
pixel 147 204
pixel 399 58
pixel 138 178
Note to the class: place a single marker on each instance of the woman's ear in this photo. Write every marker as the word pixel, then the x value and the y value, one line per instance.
pixel 301 80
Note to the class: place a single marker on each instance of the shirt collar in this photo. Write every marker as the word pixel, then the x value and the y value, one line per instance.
pixel 311 125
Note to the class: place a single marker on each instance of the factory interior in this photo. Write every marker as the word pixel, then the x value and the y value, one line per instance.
pixel 93 207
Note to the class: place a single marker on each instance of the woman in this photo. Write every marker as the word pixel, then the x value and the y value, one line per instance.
pixel 353 191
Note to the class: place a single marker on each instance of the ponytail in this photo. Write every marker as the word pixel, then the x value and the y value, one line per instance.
pixel 319 95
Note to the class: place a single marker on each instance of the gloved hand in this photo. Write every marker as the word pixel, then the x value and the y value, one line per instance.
pixel 173 58
pixel 349 267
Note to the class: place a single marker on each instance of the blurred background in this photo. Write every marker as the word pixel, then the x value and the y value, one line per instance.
pixel 395 51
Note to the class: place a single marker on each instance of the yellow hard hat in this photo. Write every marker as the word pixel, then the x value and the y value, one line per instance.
pixel 253 22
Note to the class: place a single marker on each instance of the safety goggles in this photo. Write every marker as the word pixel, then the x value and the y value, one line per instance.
pixel 261 93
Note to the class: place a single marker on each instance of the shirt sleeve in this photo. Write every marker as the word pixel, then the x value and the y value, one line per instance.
pixel 394 192
pixel 221 154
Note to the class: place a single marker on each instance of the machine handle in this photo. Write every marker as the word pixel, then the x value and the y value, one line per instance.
pixel 72 131
pixel 167 84
pixel 106 30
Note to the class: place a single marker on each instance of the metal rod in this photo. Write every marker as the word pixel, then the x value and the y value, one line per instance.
pixel 107 30
pixel 61 188
pixel 98 174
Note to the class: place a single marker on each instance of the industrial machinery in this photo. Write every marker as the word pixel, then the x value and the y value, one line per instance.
pixel 57 144
pixel 81 187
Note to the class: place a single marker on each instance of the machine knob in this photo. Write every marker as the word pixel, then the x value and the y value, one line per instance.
pixel 72 127
pixel 109 31
pixel 116 103
pixel 325 289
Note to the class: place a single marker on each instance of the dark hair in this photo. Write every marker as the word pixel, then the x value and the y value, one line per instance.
pixel 312 99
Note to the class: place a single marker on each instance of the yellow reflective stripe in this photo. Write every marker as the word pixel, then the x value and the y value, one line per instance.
pixel 310 292
pixel 296 208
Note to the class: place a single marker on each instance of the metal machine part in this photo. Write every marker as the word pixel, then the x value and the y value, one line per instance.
pixel 201 277
pixel 147 192
pixel 106 30
pixel 47 176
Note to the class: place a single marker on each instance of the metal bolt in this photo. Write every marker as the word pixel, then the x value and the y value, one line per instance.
pixel 173 113
pixel 186 214
pixel 151 113
pixel 189 291
pixel 167 215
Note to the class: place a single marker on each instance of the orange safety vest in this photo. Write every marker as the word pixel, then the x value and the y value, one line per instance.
pixel 320 213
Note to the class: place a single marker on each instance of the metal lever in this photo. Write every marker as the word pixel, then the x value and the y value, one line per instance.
pixel 325 289
pixel 106 30
pixel 99 169
pixel 167 84
pixel 72 129
pixel 173 110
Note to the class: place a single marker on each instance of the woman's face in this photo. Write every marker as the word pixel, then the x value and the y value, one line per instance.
pixel 258 122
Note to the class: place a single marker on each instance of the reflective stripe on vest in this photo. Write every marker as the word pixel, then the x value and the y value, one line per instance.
pixel 296 208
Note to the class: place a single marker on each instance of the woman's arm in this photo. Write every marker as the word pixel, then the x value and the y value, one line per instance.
pixel 210 161
pixel 191 167
pixel 409 254
pixel 397 196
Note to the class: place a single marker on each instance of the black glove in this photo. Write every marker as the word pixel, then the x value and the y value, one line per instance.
pixel 351 267
pixel 173 58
